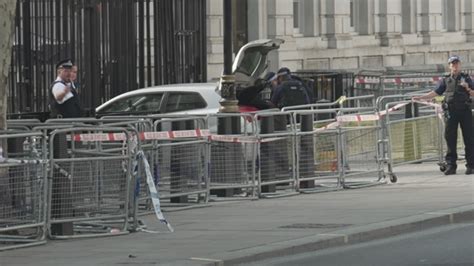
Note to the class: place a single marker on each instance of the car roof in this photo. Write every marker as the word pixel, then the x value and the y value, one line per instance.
pixel 175 87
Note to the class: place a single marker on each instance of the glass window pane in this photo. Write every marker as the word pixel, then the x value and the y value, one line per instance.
pixel 181 101
pixel 136 103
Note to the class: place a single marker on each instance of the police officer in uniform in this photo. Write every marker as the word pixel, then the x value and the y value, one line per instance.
pixel 64 100
pixel 290 91
pixel 458 90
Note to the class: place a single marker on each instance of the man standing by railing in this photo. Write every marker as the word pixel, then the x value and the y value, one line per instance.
pixel 458 88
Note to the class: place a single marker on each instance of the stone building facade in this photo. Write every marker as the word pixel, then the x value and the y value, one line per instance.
pixel 348 34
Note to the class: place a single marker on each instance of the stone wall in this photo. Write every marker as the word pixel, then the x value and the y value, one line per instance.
pixel 348 34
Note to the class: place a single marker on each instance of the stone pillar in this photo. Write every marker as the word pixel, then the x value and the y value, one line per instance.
pixel 467 19
pixel 388 22
pixel 215 38
pixel 429 21
pixel 335 23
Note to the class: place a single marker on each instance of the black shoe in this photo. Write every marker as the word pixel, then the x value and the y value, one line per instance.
pixel 469 171
pixel 450 170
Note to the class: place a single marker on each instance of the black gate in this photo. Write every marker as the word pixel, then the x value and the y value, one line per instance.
pixel 118 45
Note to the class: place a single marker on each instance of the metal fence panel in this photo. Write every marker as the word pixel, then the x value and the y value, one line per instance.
pixel 89 190
pixel 22 190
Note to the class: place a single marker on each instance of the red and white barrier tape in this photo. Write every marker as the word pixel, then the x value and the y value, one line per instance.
pixel 374 117
pixel 171 135
pixel 398 80
pixel 165 135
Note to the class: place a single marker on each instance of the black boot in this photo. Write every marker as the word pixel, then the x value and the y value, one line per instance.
pixel 450 170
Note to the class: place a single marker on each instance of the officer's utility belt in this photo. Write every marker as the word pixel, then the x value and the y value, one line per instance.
pixel 457 105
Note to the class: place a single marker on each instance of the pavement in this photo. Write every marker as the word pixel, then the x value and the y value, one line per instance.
pixel 237 232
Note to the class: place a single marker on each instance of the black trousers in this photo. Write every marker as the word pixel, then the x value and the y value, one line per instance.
pixel 463 118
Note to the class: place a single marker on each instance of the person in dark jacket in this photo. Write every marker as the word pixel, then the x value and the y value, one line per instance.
pixel 249 96
pixel 64 100
pixel 458 90
pixel 289 92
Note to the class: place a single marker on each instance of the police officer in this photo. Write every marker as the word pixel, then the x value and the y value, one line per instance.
pixel 64 101
pixel 289 92
pixel 458 89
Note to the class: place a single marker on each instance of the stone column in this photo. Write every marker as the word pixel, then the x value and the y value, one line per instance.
pixel 215 38
pixel 335 23
pixel 467 19
pixel 388 22
pixel 429 21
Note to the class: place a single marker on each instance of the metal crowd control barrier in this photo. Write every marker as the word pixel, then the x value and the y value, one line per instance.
pixel 276 154
pixel 179 157
pixel 23 187
pixel 408 83
pixel 22 124
pixel 381 83
pixel 342 102
pixel 361 163
pixel 414 138
pixel 89 189
pixel 232 166
pixel 317 151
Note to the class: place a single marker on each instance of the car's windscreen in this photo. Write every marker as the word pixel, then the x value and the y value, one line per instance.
pixel 135 103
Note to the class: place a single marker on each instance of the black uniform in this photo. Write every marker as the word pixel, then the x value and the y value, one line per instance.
pixel 290 93
pixel 68 109
pixel 457 107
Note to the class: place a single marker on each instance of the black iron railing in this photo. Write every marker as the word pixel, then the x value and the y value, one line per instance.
pixel 118 45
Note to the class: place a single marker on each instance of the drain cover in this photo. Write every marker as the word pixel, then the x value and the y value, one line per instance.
pixel 314 226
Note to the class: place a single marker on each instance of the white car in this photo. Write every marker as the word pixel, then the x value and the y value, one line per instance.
pixel 189 98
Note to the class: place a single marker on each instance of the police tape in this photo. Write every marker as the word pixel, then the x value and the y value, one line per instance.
pixel 161 135
pixel 396 80
pixel 155 196
pixel 171 135
pixel 377 116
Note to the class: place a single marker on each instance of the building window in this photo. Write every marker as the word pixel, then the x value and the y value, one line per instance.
pixel 296 14
pixel 351 7
pixel 445 14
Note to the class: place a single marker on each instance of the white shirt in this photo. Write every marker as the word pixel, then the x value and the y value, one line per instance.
pixel 59 88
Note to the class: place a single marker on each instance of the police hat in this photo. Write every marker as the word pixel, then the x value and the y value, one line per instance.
pixel 453 59
pixel 270 76
pixel 66 63
pixel 283 71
